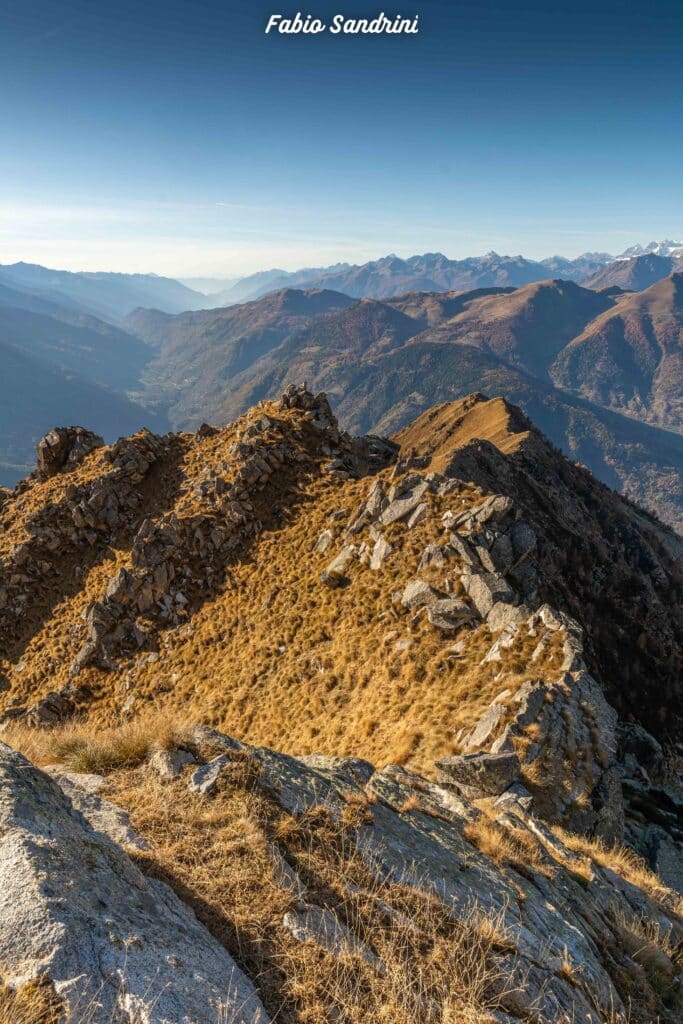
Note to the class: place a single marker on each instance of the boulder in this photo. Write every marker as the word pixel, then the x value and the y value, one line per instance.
pixel 64 448
pixel 449 614
pixel 168 764
pixel 506 616
pixel 380 551
pixel 479 775
pixel 75 910
pixel 322 927
pixel 404 504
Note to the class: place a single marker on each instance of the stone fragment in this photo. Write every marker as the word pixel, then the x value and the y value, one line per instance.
pixel 380 551
pixel 418 593
pixel 335 573
pixel 485 589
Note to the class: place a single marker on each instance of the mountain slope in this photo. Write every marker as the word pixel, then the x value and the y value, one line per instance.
pixel 456 638
pixel 35 395
pixel 526 328
pixel 94 350
pixel 631 357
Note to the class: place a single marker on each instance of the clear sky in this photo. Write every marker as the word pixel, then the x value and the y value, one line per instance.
pixel 178 138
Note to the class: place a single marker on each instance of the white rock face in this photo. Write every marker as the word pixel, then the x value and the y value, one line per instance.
pixel 117 945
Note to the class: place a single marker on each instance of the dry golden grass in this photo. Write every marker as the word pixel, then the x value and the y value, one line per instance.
pixel 216 855
pixel 80 747
pixel 32 1003
pixel 507 846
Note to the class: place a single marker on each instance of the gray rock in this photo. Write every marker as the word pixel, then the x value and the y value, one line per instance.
pixel 433 555
pixel 380 551
pixel 506 616
pixel 418 515
pixel 485 589
pixel 335 573
pixel 323 542
pixel 462 549
pixel 104 816
pixel 449 614
pixel 203 780
pixel 322 927
pixel 523 540
pixel 403 505
pixel 168 764
pixel 480 775
pixel 418 593
pixel 74 908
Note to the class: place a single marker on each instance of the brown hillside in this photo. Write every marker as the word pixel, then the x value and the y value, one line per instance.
pixel 631 358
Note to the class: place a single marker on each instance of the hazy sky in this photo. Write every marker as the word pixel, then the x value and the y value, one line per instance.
pixel 179 138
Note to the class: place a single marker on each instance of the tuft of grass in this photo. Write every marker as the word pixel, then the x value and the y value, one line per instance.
pixel 80 747
pixel 507 846
pixel 34 1002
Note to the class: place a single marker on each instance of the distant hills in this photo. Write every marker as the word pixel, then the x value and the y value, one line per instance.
pixel 384 362
pixel 62 365
pixel 109 296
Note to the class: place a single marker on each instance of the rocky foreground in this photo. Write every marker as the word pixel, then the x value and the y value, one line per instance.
pixel 459 604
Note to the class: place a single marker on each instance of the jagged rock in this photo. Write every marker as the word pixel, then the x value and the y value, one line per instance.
pixel 506 616
pixel 638 749
pixel 74 908
pixel 64 448
pixel 323 542
pixel 402 506
pixel 418 515
pixel 433 555
pixel 480 775
pixel 204 779
pixel 523 540
pixel 335 573
pixel 418 593
pixel 354 769
pixel 485 589
pixel 485 728
pixel 285 876
pixel 462 549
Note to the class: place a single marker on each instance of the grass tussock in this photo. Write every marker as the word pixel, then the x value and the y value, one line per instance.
pixel 507 846
pixel 79 747
pixel 32 1003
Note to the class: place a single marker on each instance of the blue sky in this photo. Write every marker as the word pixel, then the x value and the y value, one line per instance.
pixel 179 138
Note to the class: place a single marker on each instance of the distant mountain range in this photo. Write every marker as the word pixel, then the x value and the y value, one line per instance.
pixel 598 367
pixel 384 362
pixel 392 275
